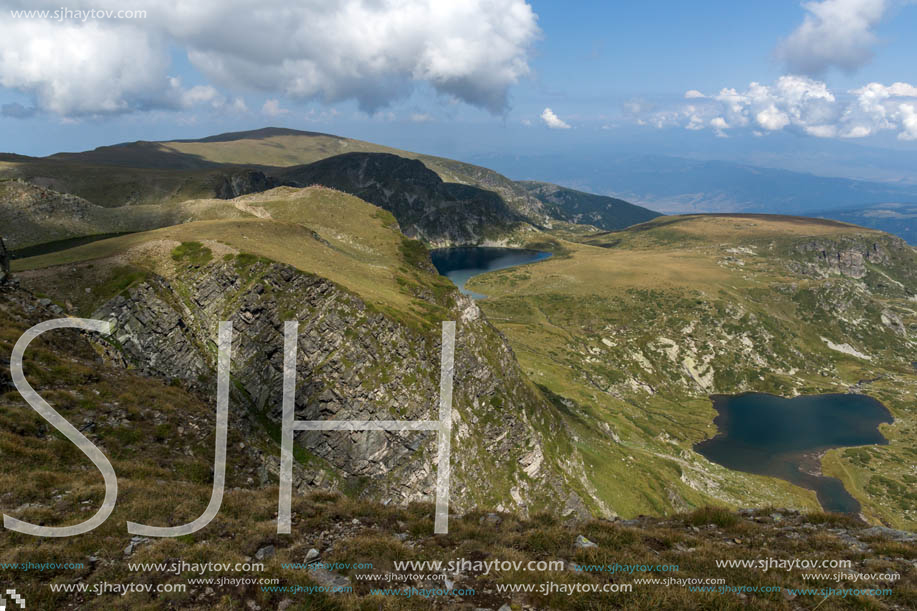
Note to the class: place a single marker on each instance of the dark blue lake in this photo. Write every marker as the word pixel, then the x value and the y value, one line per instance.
pixel 463 263
pixel 770 435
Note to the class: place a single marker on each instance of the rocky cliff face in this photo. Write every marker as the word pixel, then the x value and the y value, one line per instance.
pixel 242 182
pixel 440 213
pixel 849 256
pixel 574 206
pixel 513 193
pixel 354 363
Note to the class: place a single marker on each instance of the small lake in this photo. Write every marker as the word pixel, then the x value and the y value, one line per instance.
pixel 463 263
pixel 785 438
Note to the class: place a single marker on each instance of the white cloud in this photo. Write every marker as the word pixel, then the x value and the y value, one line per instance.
pixel 794 103
pixel 371 51
pixel 552 120
pixel 834 33
pixel 421 117
pixel 693 94
pixel 203 95
pixel 78 69
pixel 857 131
pixel 695 122
pixel 772 119
pixel 719 125
pixel 821 131
pixel 879 107
pixel 272 108
pixel 909 122
pixel 199 94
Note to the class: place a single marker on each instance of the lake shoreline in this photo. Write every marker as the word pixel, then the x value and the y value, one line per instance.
pixel 770 435
pixel 462 263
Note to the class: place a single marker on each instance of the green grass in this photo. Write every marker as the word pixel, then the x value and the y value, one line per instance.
pixel 632 447
pixel 193 253
pixel 610 329
pixel 316 230
pixel 590 325
pixel 718 516
pixel 122 278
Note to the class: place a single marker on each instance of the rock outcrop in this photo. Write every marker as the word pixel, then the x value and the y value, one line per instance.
pixel 574 206
pixel 354 363
pixel 242 182
pixel 849 256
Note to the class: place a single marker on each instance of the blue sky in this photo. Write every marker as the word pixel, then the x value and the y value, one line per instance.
pixel 471 81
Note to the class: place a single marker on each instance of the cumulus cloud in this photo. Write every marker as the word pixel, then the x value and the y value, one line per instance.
pixel 371 51
pixel 693 94
pixel 771 118
pixel 908 121
pixel 197 95
pixel 272 108
pixel 552 120
pixel 799 104
pixel 834 33
pixel 238 105
pixel 879 107
pixel 74 69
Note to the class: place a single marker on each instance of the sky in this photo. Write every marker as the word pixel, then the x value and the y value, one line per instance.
pixel 756 80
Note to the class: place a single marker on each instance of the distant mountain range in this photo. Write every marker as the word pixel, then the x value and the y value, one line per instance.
pixel 678 185
pixel 894 217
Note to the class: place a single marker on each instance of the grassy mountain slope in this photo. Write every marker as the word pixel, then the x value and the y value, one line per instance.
pixel 638 327
pixel 113 186
pixel 35 215
pixel 626 335
pixel 369 304
pixel 160 437
pixel 315 229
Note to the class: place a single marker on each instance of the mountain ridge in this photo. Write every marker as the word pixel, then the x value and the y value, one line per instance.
pixel 237 163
